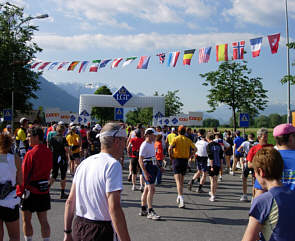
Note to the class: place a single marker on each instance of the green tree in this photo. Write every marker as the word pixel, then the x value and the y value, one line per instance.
pixel 16 50
pixel 103 114
pixel 232 86
pixel 209 122
pixel 286 78
pixel 140 115
pixel 262 121
pixel 173 105
pixel 274 120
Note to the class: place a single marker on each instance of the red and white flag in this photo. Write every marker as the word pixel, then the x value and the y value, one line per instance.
pixel 116 63
pixel 238 50
pixel 274 42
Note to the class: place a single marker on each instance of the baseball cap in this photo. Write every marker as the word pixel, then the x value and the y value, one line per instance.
pixel 180 128
pixel 8 126
pixel 173 129
pixel 149 131
pixel 283 129
pixel 97 127
pixel 72 124
pixel 61 123
pixel 22 120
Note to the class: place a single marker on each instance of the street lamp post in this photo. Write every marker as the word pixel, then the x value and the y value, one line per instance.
pixel 288 67
pixel 13 57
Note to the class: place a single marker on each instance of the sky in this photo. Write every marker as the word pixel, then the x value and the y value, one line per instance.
pixel 94 29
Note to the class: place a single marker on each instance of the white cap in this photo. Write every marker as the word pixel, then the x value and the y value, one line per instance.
pixel 22 120
pixel 173 129
pixel 150 131
pixel 61 123
pixel 97 127
pixel 72 124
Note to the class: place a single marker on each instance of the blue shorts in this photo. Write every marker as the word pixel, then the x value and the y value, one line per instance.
pixel 238 154
pixel 257 185
pixel 152 170
pixel 202 163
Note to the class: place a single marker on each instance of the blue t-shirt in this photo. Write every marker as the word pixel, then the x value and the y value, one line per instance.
pixel 238 141
pixel 288 177
pixel 275 210
pixel 215 153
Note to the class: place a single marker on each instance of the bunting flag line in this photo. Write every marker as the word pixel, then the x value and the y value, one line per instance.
pixel 255 46
pixel 172 59
pixel 204 55
pixel 187 56
pixel 143 62
pixel 116 62
pixel 63 64
pixel 238 50
pixel 274 42
pixel 73 65
pixel 43 65
pixel 52 65
pixel 222 52
pixel 161 57
pixel 104 63
pixel 35 64
pixel 94 66
pixel 83 66
pixel 128 61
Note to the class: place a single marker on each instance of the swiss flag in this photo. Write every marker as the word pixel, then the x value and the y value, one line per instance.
pixel 274 42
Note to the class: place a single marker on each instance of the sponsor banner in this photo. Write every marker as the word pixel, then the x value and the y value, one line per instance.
pixel 65 116
pixel 191 119
pixel 52 115
pixel 195 118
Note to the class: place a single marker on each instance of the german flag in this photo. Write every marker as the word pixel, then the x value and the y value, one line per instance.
pixel 73 65
pixel 187 56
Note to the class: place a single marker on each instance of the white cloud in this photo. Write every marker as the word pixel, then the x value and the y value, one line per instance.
pixel 149 41
pixel 261 12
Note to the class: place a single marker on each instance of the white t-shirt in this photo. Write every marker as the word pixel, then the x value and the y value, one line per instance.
pixel 201 146
pixel 246 146
pixel 95 177
pixel 224 144
pixel 147 150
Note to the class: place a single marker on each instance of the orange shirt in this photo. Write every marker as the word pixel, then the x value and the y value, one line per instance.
pixel 159 150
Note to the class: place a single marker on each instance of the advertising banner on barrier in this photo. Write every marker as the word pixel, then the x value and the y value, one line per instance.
pixel 65 116
pixel 191 119
pixel 52 115
pixel 195 118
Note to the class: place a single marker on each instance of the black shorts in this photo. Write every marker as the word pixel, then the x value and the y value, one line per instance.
pixel 75 156
pixel 215 171
pixel 36 203
pixel 180 165
pixel 62 166
pixel 90 230
pixel 9 214
pixel 202 163
pixel 152 170
pixel 84 145
pixel 134 165
pixel 247 170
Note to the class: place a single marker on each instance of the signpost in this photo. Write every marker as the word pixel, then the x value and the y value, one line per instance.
pixel 7 113
pixel 244 120
pixel 119 114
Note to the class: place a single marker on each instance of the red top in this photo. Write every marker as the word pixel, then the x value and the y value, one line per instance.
pixel 254 150
pixel 37 164
pixel 159 150
pixel 83 133
pixel 135 145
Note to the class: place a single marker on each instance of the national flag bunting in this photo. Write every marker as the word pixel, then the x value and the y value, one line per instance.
pixel 83 66
pixel 43 65
pixel 35 64
pixel 94 66
pixel 238 50
pixel 128 61
pixel 73 65
pixel 52 65
pixel 187 56
pixel 222 52
pixel 274 42
pixel 116 62
pixel 255 46
pixel 143 62
pixel 172 59
pixel 204 55
pixel 62 65
pixel 104 63
pixel 161 57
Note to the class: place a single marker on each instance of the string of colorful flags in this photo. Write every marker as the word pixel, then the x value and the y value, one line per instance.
pixel 172 57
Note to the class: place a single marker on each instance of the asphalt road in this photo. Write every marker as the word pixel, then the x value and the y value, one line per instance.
pixel 201 220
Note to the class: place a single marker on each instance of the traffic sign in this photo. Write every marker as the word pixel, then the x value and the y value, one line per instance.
pixel 119 114
pixel 122 96
pixel 7 113
pixel 244 120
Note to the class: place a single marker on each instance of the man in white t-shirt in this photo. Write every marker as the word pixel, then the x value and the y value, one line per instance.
pixel 95 193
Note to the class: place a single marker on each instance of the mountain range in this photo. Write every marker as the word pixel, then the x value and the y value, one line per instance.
pixel 65 96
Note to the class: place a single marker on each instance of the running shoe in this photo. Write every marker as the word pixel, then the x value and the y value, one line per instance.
pixel 212 199
pixel 190 185
pixel 129 177
pixel 143 213
pixel 200 190
pixel 244 198
pixel 181 203
pixel 177 200
pixel 133 188
pixel 220 178
pixel 232 173
pixel 210 194
pixel 152 215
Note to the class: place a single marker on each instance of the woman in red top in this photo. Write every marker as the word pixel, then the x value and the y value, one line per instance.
pixel 133 149
pixel 159 157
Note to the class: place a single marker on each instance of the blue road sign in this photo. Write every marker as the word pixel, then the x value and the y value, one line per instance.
pixel 7 114
pixel 244 120
pixel 119 114
pixel 122 96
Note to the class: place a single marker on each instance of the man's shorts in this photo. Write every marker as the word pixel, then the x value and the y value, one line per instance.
pixel 62 166
pixel 238 154
pixel 247 171
pixel 75 156
pixel 202 163
pixel 9 214
pixel 215 171
pixel 134 165
pixel 36 203
pixel 180 165
pixel 152 170
pixel 84 145
pixel 89 230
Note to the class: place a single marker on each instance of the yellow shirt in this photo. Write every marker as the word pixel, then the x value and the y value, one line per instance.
pixel 182 147
pixel 21 135
pixel 170 137
pixel 73 140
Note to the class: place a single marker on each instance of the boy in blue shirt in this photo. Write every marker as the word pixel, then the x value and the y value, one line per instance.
pixel 272 212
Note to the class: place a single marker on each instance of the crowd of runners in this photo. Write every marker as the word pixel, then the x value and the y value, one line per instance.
pixel 33 157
